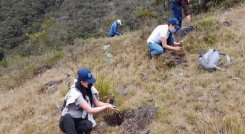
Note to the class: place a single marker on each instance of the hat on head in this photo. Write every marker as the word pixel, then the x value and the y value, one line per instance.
pixel 174 22
pixel 119 22
pixel 85 74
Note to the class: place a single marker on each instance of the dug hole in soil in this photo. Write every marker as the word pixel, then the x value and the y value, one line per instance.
pixel 131 121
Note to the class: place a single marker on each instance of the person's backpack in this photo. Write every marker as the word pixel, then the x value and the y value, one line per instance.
pixel 211 60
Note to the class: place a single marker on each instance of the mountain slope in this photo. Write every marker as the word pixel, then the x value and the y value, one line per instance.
pixel 190 100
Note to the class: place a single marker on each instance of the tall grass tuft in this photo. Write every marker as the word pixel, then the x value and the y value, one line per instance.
pixel 105 88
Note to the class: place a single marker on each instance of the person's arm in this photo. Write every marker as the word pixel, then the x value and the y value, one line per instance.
pixel 115 29
pixel 177 43
pixel 85 106
pixel 164 45
pixel 96 99
pixel 117 32
pixel 99 103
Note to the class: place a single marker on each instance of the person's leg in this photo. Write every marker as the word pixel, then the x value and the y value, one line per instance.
pixel 111 35
pixel 180 17
pixel 155 49
pixel 67 124
pixel 84 126
pixel 61 124
pixel 177 12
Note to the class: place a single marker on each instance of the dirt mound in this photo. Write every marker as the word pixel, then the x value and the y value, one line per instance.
pixel 136 120
pixel 171 59
pixel 131 121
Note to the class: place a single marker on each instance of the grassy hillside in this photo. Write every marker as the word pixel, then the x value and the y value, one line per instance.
pixel 190 100
pixel 22 21
pixel 45 25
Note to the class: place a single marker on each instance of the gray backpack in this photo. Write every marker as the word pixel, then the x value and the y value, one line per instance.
pixel 211 60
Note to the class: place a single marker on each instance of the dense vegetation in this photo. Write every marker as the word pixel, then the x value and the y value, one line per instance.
pixel 35 26
pixel 19 17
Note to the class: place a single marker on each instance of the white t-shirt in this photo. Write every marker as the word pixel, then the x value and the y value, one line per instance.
pixel 159 32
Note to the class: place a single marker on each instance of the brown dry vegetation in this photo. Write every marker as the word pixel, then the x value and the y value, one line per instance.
pixel 190 100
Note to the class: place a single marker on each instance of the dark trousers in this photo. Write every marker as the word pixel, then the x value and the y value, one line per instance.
pixel 70 125
pixel 177 11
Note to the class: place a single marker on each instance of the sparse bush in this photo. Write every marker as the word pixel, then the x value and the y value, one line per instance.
pixel 146 14
pixel 230 3
pixel 158 1
pixel 198 6
pixel 2 51
pixel 208 31
pixel 4 63
pixel 51 37
pixel 206 23
pixel 210 39
pixel 105 88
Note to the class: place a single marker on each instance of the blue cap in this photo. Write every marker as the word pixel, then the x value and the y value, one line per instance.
pixel 85 74
pixel 174 22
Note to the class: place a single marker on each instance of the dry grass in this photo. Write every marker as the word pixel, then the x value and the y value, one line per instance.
pixel 191 100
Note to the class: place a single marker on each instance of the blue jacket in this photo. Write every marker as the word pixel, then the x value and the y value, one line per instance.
pixel 114 29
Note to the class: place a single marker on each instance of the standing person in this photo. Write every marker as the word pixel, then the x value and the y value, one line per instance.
pixel 177 6
pixel 114 30
pixel 162 39
pixel 81 102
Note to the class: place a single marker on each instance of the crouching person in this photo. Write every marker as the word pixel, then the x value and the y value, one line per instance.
pixel 162 38
pixel 81 102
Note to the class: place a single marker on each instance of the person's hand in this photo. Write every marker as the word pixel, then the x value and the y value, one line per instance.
pixel 188 18
pixel 111 106
pixel 177 43
pixel 181 43
pixel 177 48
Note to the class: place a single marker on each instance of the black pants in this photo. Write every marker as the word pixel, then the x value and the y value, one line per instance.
pixel 70 125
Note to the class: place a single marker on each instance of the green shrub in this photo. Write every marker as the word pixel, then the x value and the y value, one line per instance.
pixel 50 37
pixel 2 51
pixel 230 3
pixel 53 59
pixel 4 63
pixel 206 23
pixel 147 14
pixel 158 1
pixel 197 6
pixel 210 39
pixel 105 88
